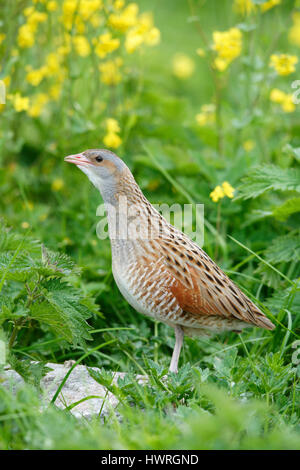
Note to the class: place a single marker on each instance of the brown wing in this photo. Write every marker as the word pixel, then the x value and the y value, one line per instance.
pixel 201 287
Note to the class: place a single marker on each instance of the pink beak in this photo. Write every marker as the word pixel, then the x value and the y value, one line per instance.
pixel 78 159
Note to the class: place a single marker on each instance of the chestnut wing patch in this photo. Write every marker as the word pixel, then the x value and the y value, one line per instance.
pixel 202 288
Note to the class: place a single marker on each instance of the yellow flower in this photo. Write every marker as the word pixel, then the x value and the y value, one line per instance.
pixel 106 44
pixel 284 64
pixel 52 5
pixel 95 20
pixel 52 64
pixel 112 140
pixel 200 52
pixel 133 40
pixel 248 145
pixel 82 46
pixel 270 4
pixel 284 99
pixel 277 96
pixel 152 37
pixel 34 77
pixel 109 71
pixel 245 7
pixel 36 17
pixel 28 205
pixel 68 13
pixel 65 49
pixel 183 66
pixel 217 194
pixel 25 225
pixel 54 91
pixel 124 20
pixel 142 32
pixel 2 37
pixel 20 103
pixel 112 125
pixel 57 184
pixel 221 191
pixel 87 8
pixel 37 105
pixel 288 105
pixel 207 115
pixel 26 31
pixel 118 4
pixel 25 36
pixel 294 32
pixel 228 189
pixel 76 13
pixel 228 46
pixel 28 11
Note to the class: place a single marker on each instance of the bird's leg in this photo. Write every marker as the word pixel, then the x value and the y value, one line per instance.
pixel 177 348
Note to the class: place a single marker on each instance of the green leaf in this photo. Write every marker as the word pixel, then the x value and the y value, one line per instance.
pixel 64 311
pixel 269 177
pixel 19 269
pixel 268 276
pixel 32 372
pixel 57 264
pixel 9 241
pixel 280 299
pixel 289 207
pixel 285 248
pixel 295 151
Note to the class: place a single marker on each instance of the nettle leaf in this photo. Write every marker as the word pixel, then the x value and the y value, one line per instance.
pixel 10 311
pixel 58 263
pixel 6 308
pixel 9 241
pixel 269 177
pixel 289 207
pixel 287 298
pixel 285 248
pixel 32 372
pixel 294 151
pixel 268 276
pixel 64 311
pixel 91 305
pixel 20 268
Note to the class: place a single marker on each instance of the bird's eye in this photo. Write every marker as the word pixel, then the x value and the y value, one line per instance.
pixel 99 159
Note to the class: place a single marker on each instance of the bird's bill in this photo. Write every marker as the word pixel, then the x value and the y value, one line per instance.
pixel 78 159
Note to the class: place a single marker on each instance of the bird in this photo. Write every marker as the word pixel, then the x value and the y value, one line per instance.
pixel 158 269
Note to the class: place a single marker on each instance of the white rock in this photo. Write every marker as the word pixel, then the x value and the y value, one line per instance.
pixel 79 385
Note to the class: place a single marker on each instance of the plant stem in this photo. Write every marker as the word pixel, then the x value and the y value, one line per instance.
pixel 17 325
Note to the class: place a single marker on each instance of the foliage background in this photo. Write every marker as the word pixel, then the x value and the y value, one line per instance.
pixel 232 391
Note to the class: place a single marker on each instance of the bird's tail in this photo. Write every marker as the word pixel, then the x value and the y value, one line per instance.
pixel 260 318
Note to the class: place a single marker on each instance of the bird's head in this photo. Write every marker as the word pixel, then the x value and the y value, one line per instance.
pixel 103 168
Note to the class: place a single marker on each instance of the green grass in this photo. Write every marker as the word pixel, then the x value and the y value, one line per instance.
pixel 232 391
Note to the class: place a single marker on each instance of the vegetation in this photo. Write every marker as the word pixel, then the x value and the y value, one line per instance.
pixel 200 99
